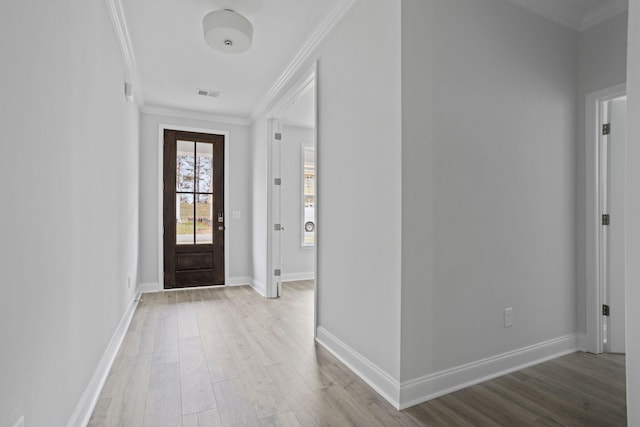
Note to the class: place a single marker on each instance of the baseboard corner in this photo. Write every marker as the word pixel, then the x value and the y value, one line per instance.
pixel 383 383
pixel 259 287
pixel 149 287
pixel 583 342
pixel 293 277
pixel 82 413
pixel 419 390
pixel 239 281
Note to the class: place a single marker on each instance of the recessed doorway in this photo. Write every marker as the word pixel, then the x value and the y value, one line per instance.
pixel 606 222
pixel 293 208
pixel 193 209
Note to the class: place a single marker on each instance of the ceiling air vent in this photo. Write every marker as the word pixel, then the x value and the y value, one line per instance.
pixel 211 93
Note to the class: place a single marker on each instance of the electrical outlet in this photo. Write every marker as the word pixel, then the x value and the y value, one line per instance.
pixel 20 422
pixel 508 317
pixel 236 214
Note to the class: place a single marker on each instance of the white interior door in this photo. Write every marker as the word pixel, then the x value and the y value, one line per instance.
pixel 615 190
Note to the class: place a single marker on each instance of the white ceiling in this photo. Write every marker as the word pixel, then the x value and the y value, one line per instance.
pixel 173 61
pixel 165 48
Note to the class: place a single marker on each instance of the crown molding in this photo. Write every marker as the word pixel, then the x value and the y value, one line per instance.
pixel 561 14
pixel 554 11
pixel 160 110
pixel 332 18
pixel 603 12
pixel 121 29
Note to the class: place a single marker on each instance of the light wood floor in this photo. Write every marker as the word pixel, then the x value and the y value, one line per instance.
pixel 228 357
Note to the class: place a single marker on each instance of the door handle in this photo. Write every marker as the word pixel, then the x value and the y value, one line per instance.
pixel 221 227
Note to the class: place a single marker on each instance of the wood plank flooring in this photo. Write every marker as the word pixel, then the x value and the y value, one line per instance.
pixel 228 357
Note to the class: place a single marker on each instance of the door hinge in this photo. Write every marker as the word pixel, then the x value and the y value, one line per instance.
pixel 606 219
pixel 605 310
pixel 606 128
pixel 277 227
pixel 277 272
pixel 278 136
pixel 277 181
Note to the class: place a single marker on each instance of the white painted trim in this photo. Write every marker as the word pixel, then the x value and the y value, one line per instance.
pixel 87 403
pixel 409 393
pixel 431 386
pixel 308 81
pixel 239 281
pixel 582 342
pixel 556 11
pixel 303 55
pixel 158 110
pixel 227 144
pixel 553 10
pixel 119 22
pixel 146 288
pixel 20 422
pixel 273 260
pixel 303 85
pixel 292 277
pixel 603 12
pixel 383 383
pixel 593 225
pixel 259 287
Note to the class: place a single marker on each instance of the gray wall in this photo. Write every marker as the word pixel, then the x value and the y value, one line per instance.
pixel 239 174
pixel 360 125
pixel 297 261
pixel 359 256
pixel 633 211
pixel 69 169
pixel 489 175
pixel 602 62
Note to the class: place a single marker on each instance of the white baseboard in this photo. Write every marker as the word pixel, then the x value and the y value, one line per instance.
pixel 383 383
pixel 409 393
pixel 238 281
pixel 145 288
pixel 259 287
pixel 87 403
pixel 583 342
pixel 292 277
pixel 434 385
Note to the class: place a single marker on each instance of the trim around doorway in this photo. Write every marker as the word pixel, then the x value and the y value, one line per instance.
pixel 161 128
pixel 593 264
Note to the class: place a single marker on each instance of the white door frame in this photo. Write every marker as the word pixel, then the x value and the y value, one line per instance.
pixel 273 260
pixel 274 238
pixel 595 262
pixel 161 128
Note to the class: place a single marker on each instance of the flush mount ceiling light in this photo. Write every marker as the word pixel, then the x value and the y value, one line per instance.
pixel 227 31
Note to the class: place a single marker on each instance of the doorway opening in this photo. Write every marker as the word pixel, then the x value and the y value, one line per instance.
pixel 193 209
pixel 293 197
pixel 606 222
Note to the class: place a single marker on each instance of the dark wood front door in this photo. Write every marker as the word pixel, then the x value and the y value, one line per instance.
pixel 193 209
